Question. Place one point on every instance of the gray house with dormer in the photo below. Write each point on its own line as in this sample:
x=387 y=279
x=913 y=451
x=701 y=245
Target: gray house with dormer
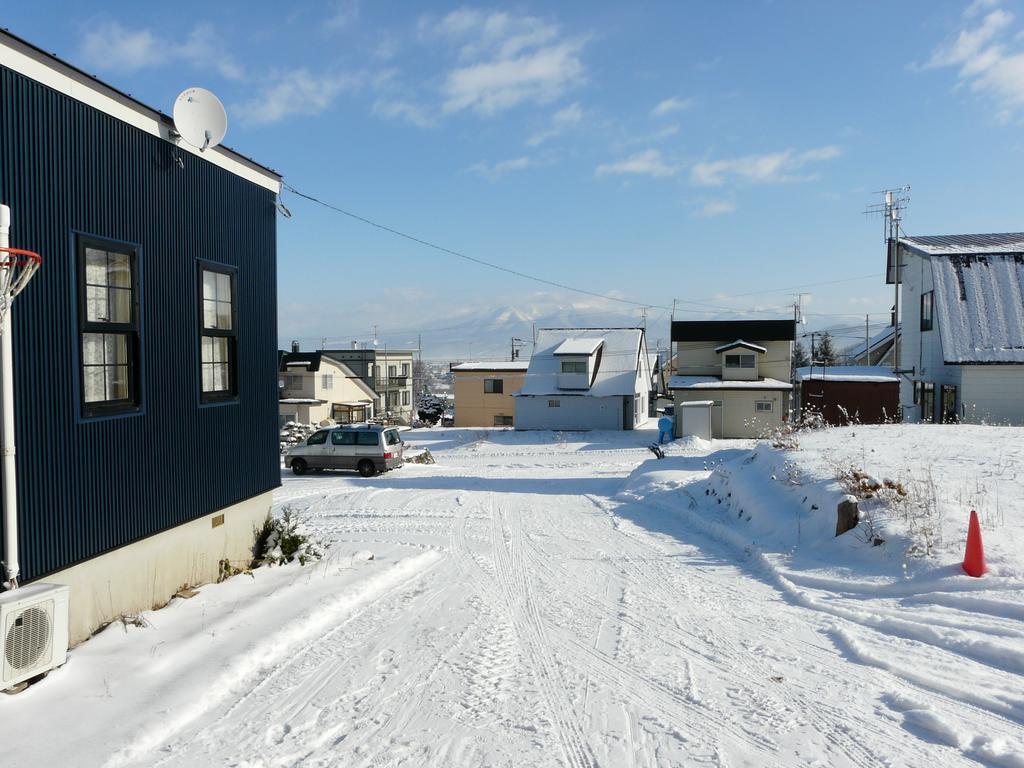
x=961 y=354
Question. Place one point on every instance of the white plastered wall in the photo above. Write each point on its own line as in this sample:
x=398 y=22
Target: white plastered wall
x=146 y=574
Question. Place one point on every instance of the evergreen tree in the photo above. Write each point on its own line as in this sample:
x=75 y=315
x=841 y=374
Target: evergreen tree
x=826 y=351
x=800 y=358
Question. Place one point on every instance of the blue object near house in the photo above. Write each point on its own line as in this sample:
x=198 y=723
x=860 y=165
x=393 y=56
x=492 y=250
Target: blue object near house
x=666 y=428
x=146 y=346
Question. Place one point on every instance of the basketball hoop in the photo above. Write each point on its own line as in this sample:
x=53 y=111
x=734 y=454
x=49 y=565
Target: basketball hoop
x=16 y=268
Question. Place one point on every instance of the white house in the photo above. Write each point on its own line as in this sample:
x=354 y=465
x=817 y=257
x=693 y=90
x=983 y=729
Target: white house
x=586 y=378
x=961 y=350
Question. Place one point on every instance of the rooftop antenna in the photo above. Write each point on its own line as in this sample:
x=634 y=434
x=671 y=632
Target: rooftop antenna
x=894 y=202
x=200 y=118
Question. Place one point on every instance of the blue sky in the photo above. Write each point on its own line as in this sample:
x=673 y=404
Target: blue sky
x=719 y=154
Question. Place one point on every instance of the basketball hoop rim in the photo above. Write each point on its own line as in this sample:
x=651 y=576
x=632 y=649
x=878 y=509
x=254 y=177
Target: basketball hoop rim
x=21 y=257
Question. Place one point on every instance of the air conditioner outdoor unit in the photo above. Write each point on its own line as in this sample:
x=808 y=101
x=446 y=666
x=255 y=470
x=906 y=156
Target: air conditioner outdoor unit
x=34 y=631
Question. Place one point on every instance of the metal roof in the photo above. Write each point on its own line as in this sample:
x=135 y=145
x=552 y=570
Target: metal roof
x=162 y=116
x=999 y=242
x=728 y=330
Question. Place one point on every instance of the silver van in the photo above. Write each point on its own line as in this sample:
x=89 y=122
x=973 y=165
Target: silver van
x=366 y=448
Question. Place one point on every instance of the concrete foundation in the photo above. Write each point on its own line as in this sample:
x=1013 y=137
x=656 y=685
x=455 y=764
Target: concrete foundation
x=146 y=574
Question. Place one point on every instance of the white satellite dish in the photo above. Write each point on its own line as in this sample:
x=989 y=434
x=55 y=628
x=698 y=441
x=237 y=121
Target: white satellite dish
x=199 y=118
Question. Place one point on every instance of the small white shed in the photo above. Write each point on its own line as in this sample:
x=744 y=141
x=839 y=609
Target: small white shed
x=695 y=418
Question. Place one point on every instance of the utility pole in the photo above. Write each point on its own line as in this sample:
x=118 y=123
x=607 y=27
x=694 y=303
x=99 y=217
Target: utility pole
x=516 y=345
x=895 y=200
x=867 y=342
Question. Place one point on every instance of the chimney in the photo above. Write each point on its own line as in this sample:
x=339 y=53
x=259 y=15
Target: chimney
x=295 y=346
x=355 y=344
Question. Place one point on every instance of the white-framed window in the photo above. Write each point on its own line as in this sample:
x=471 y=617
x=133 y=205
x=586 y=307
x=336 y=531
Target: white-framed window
x=405 y=397
x=503 y=421
x=554 y=403
x=369 y=370
x=327 y=381
x=494 y=386
x=392 y=371
x=405 y=369
x=574 y=366
x=739 y=361
x=763 y=406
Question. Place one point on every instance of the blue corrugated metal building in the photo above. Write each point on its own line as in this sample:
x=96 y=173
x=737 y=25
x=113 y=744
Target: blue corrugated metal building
x=144 y=349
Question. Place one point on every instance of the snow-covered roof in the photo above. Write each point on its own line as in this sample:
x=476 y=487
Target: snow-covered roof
x=714 y=382
x=740 y=343
x=879 y=338
x=518 y=365
x=979 y=306
x=584 y=345
x=621 y=361
x=864 y=373
x=999 y=242
x=301 y=401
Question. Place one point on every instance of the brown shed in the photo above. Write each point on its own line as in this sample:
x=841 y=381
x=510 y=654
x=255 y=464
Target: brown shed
x=843 y=394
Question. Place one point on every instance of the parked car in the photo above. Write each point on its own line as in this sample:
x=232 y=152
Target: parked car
x=369 y=449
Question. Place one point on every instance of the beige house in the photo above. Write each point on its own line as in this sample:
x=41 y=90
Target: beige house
x=741 y=366
x=316 y=388
x=483 y=393
x=389 y=372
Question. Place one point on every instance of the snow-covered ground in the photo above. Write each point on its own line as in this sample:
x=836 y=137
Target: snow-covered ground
x=540 y=599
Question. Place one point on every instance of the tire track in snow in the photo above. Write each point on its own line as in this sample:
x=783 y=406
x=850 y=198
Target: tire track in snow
x=820 y=714
x=512 y=582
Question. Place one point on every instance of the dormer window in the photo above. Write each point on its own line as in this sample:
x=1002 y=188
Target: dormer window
x=740 y=361
x=574 y=366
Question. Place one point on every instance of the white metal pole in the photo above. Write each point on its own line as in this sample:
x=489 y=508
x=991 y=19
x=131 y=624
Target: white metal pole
x=7 y=416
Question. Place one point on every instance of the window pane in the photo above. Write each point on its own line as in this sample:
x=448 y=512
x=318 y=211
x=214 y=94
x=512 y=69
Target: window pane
x=92 y=348
x=207 y=377
x=224 y=315
x=209 y=285
x=96 y=304
x=93 y=384
x=119 y=270
x=220 y=377
x=223 y=287
x=95 y=266
x=209 y=313
x=119 y=305
x=117 y=382
x=115 y=347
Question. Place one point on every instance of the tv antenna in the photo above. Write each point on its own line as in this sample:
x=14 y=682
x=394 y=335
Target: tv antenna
x=200 y=118
x=894 y=202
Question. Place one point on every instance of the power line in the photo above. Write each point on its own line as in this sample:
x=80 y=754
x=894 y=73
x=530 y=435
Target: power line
x=467 y=257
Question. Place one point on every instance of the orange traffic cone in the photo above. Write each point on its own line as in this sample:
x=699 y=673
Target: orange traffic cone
x=974 y=558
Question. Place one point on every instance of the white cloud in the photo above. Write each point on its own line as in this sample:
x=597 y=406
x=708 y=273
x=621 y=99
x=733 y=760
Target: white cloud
x=495 y=171
x=770 y=168
x=715 y=208
x=294 y=92
x=646 y=163
x=671 y=105
x=504 y=60
x=404 y=110
x=344 y=14
x=561 y=121
x=111 y=47
x=990 y=60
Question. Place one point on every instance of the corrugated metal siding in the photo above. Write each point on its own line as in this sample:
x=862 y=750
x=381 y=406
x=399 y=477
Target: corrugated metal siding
x=86 y=487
